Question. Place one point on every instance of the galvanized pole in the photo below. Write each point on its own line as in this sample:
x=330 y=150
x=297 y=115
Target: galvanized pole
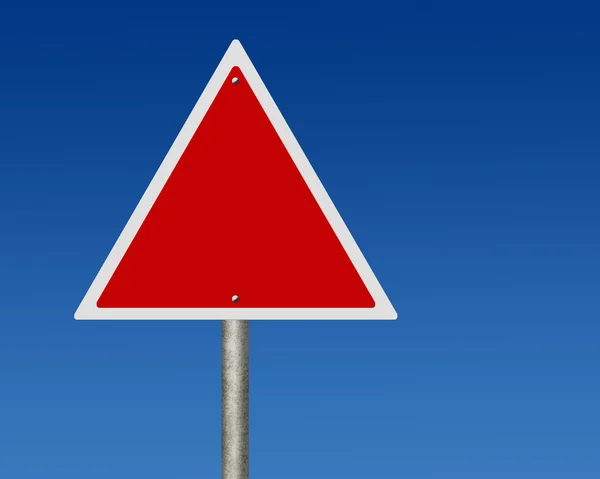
x=234 y=400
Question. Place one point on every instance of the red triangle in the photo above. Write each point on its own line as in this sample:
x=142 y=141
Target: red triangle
x=235 y=217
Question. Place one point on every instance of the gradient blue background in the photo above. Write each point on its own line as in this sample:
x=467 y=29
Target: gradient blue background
x=461 y=144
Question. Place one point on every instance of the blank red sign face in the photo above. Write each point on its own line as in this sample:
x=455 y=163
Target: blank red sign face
x=236 y=218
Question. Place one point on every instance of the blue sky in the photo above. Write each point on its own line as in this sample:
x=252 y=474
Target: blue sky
x=460 y=144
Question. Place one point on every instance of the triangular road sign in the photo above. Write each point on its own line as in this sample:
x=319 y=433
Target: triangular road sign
x=235 y=224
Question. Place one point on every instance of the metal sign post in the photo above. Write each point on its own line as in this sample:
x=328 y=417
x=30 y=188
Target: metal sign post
x=234 y=399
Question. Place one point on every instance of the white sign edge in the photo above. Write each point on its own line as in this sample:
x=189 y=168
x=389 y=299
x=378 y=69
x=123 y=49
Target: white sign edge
x=235 y=56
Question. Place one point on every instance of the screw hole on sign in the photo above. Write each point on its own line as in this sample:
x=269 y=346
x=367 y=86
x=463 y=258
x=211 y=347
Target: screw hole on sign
x=235 y=80
x=235 y=298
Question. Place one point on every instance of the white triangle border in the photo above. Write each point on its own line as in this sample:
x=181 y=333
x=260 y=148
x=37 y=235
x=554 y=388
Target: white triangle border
x=235 y=56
